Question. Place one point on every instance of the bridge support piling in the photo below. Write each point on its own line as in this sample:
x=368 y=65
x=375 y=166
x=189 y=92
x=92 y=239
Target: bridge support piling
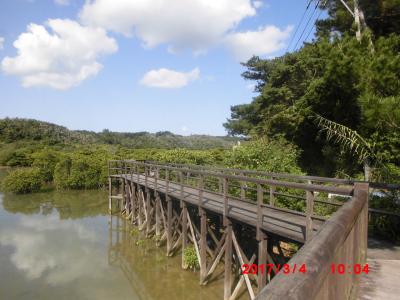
x=169 y=226
x=158 y=218
x=184 y=233
x=109 y=195
x=140 y=206
x=203 y=245
x=148 y=212
x=133 y=202
x=228 y=261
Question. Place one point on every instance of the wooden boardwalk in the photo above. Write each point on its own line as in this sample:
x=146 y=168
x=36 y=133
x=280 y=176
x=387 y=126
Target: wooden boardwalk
x=236 y=217
x=286 y=224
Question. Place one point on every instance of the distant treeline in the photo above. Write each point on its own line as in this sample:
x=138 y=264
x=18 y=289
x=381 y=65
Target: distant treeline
x=12 y=130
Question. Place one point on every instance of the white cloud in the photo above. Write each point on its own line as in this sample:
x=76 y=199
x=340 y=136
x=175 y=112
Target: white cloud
x=1 y=43
x=265 y=41
x=62 y=2
x=194 y=24
x=59 y=58
x=165 y=78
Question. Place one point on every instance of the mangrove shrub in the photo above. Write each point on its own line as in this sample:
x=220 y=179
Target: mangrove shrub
x=23 y=181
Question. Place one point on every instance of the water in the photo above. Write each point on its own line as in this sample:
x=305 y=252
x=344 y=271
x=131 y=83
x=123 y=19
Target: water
x=64 y=245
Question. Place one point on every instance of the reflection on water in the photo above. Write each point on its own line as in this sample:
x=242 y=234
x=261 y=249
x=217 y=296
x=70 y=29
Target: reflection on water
x=64 y=245
x=152 y=274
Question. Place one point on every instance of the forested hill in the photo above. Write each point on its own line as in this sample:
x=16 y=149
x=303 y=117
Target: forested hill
x=336 y=98
x=13 y=130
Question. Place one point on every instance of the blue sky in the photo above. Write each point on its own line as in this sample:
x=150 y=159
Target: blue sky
x=136 y=65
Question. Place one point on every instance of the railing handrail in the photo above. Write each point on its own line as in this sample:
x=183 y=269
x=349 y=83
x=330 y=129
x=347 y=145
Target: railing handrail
x=350 y=181
x=345 y=191
x=319 y=253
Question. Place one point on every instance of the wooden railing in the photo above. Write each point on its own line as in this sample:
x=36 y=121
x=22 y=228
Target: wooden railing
x=305 y=199
x=373 y=212
x=287 y=176
x=341 y=240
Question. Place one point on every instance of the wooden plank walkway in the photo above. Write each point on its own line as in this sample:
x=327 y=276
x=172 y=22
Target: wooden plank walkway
x=382 y=280
x=287 y=224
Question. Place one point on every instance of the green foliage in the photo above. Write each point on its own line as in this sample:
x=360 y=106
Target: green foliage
x=184 y=156
x=45 y=160
x=23 y=181
x=272 y=156
x=385 y=225
x=81 y=171
x=62 y=171
x=190 y=258
x=339 y=79
x=17 y=157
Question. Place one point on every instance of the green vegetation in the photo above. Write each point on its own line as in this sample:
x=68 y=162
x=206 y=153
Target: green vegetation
x=78 y=159
x=336 y=99
x=22 y=181
x=190 y=258
x=275 y=156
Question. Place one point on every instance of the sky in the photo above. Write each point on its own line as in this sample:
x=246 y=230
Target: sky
x=137 y=65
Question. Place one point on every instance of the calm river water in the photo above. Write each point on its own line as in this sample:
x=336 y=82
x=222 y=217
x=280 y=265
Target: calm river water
x=64 y=245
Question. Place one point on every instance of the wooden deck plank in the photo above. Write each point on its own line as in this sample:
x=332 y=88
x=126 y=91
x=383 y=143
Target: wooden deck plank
x=284 y=224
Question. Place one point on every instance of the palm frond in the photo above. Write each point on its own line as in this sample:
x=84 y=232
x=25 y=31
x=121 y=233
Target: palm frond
x=346 y=138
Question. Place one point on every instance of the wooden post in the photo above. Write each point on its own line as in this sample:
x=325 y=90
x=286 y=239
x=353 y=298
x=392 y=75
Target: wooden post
x=271 y=194
x=184 y=233
x=225 y=191
x=260 y=202
x=167 y=182
x=309 y=213
x=123 y=194
x=109 y=195
x=148 y=207
x=262 y=260
x=169 y=226
x=220 y=185
x=242 y=190
x=156 y=179
x=134 y=201
x=145 y=175
x=158 y=217
x=203 y=245
x=228 y=261
x=201 y=186
x=126 y=199
x=131 y=194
